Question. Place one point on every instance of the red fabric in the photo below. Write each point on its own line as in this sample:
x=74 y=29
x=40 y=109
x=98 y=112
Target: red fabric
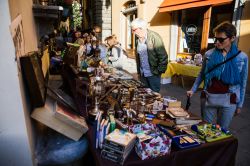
x=218 y=87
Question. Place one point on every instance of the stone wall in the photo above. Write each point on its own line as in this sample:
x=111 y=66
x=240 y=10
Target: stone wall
x=102 y=17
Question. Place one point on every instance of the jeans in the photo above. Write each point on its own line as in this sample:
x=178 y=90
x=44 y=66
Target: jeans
x=152 y=82
x=219 y=115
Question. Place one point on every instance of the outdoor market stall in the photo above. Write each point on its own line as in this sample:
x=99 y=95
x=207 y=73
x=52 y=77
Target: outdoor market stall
x=129 y=124
x=208 y=149
x=181 y=70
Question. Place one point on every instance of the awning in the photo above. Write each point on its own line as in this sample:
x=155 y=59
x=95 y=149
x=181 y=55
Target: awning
x=172 y=5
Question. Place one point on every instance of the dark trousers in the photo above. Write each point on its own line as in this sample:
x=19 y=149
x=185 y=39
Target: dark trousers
x=152 y=82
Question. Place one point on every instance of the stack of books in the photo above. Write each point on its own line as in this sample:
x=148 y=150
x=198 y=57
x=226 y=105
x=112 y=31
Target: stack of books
x=117 y=145
x=181 y=116
x=177 y=112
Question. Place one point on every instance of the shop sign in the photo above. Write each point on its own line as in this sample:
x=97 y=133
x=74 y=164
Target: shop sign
x=191 y=29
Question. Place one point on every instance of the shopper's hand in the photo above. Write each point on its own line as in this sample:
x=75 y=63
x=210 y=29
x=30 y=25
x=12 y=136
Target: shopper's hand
x=237 y=112
x=190 y=93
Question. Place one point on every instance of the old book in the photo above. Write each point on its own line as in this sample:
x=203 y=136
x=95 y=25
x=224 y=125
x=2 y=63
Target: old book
x=175 y=104
x=113 y=156
x=34 y=78
x=188 y=121
x=166 y=123
x=120 y=139
x=114 y=149
x=64 y=114
x=114 y=146
x=46 y=116
x=177 y=112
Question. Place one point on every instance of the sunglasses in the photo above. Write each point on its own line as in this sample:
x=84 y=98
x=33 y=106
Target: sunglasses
x=133 y=30
x=220 y=39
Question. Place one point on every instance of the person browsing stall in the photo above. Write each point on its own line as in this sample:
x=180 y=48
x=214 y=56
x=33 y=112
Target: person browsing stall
x=88 y=45
x=224 y=71
x=117 y=56
x=151 y=56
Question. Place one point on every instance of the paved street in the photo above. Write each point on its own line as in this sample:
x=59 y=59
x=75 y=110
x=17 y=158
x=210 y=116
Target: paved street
x=240 y=126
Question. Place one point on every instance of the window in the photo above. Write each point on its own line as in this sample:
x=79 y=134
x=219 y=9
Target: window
x=130 y=13
x=191 y=28
x=191 y=21
x=219 y=14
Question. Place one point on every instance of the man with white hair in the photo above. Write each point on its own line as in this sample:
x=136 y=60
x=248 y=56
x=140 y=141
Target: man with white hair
x=151 y=56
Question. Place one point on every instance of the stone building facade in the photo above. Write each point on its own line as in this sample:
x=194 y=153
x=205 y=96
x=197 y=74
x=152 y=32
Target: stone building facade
x=102 y=16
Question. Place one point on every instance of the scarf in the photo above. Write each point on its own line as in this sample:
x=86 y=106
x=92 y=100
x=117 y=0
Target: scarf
x=228 y=72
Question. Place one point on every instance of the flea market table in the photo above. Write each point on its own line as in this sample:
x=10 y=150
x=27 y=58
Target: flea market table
x=181 y=70
x=219 y=153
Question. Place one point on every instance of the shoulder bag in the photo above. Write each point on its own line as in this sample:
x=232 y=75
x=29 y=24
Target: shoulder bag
x=219 y=99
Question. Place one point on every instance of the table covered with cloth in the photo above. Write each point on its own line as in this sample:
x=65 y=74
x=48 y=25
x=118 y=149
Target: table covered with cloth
x=219 y=153
x=181 y=69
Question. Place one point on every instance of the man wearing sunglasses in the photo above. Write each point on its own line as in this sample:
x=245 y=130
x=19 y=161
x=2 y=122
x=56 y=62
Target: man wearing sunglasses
x=224 y=71
x=151 y=56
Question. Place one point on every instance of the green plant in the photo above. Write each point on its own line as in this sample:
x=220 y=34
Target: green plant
x=77 y=14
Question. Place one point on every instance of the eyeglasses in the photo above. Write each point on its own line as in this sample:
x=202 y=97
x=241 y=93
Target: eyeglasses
x=220 y=39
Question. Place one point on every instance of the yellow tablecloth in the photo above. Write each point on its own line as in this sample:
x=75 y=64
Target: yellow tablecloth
x=181 y=69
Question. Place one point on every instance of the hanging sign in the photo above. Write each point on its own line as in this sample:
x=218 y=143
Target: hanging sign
x=191 y=29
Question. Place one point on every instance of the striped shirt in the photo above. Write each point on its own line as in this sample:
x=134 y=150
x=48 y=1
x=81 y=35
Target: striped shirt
x=143 y=54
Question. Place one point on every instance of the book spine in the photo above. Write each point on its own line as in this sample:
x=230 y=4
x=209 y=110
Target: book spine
x=112 y=149
x=118 y=158
x=98 y=121
x=179 y=122
x=114 y=146
x=101 y=133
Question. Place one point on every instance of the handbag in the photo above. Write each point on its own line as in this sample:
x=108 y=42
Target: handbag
x=219 y=99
